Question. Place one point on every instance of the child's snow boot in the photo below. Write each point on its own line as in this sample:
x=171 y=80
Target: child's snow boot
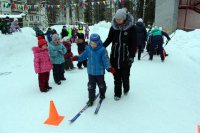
x=90 y=103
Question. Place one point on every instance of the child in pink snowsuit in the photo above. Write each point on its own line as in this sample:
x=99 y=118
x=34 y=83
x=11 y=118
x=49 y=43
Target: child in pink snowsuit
x=42 y=64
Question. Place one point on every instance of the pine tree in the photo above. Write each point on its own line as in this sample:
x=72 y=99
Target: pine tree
x=88 y=12
x=77 y=10
x=44 y=18
x=102 y=9
x=150 y=12
x=52 y=13
x=109 y=10
x=98 y=12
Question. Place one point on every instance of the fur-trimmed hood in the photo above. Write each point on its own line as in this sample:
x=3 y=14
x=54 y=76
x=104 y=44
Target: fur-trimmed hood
x=129 y=22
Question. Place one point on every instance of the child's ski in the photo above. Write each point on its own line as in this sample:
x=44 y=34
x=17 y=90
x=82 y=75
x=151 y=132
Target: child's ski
x=98 y=107
x=80 y=112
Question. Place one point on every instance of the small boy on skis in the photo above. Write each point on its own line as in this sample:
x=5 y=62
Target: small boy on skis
x=97 y=62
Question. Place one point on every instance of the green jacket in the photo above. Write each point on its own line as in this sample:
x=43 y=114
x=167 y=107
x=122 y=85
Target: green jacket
x=2 y=23
x=156 y=32
x=69 y=33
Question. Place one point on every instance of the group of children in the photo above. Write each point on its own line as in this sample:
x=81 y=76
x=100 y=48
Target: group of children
x=48 y=56
x=8 y=27
x=57 y=55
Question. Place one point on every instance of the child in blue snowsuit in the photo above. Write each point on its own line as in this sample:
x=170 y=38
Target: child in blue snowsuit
x=97 y=62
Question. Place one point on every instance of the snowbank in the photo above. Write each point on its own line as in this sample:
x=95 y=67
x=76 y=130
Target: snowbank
x=16 y=44
x=101 y=28
x=12 y=16
x=186 y=44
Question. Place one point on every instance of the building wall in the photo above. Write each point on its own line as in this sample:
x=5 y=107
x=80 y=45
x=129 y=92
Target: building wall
x=18 y=11
x=192 y=20
x=166 y=14
x=188 y=19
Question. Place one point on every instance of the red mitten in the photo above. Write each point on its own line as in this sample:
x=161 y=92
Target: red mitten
x=111 y=70
x=74 y=58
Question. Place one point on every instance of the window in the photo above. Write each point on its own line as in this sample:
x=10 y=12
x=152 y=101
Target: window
x=38 y=18
x=31 y=18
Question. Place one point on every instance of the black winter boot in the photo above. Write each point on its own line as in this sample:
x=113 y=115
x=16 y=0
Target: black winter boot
x=90 y=103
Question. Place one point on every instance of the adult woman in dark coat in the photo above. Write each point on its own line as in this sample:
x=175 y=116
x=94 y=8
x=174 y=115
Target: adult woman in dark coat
x=122 y=35
x=141 y=37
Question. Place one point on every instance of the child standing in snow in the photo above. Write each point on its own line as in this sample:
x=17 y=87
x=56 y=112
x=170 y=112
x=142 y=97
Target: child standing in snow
x=49 y=34
x=98 y=61
x=15 y=26
x=57 y=51
x=42 y=64
x=68 y=63
x=87 y=30
x=81 y=48
x=74 y=36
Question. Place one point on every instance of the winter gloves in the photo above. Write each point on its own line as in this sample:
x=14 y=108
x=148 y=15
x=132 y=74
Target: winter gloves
x=74 y=58
x=111 y=70
x=131 y=60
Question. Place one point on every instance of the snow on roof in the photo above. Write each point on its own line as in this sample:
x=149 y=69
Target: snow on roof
x=11 y=16
x=79 y=22
x=23 y=14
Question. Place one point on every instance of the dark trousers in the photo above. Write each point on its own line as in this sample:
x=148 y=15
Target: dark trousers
x=68 y=64
x=121 y=77
x=43 y=79
x=87 y=35
x=84 y=63
x=58 y=72
x=99 y=80
x=140 y=50
x=159 y=48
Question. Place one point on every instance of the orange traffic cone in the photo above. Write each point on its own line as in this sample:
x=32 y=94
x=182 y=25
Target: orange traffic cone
x=54 y=118
x=198 y=129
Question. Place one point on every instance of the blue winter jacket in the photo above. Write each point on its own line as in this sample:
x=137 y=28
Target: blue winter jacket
x=49 y=34
x=56 y=53
x=98 y=60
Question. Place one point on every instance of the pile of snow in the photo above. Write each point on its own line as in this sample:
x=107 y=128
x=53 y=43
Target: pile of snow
x=187 y=44
x=12 y=16
x=16 y=48
x=164 y=97
x=101 y=28
x=58 y=28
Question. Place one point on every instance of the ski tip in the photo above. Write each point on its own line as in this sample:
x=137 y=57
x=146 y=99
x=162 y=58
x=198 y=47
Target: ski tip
x=70 y=121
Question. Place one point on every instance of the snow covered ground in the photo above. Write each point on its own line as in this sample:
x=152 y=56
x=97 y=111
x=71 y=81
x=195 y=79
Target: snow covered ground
x=164 y=97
